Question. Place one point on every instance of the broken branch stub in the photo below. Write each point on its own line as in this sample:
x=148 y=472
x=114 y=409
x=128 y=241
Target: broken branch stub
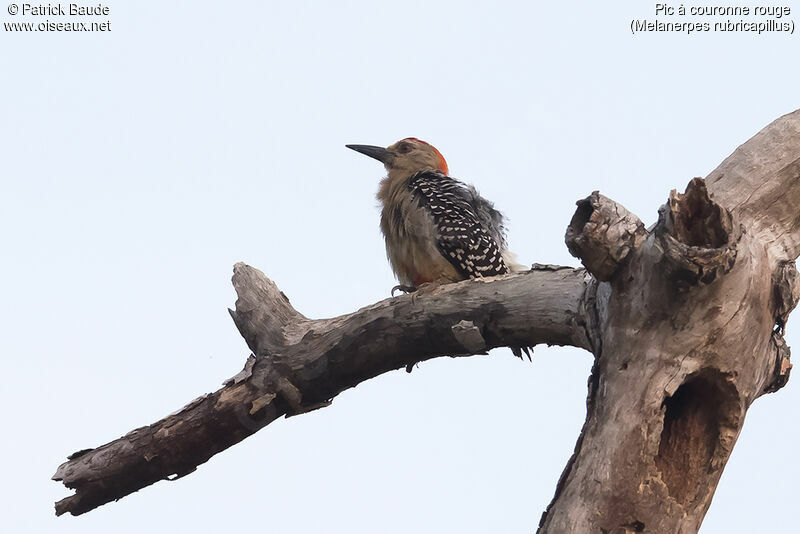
x=263 y=314
x=697 y=236
x=602 y=235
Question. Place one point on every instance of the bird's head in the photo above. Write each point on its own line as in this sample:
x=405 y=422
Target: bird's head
x=408 y=155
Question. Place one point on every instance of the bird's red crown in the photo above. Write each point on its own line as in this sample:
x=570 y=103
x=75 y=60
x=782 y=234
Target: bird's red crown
x=442 y=162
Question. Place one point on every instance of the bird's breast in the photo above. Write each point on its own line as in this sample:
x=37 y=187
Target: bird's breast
x=410 y=234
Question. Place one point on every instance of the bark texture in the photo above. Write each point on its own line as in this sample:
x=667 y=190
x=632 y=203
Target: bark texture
x=685 y=320
x=300 y=364
x=691 y=328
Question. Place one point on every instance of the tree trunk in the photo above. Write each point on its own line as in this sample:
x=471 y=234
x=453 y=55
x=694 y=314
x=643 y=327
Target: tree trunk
x=685 y=321
x=691 y=324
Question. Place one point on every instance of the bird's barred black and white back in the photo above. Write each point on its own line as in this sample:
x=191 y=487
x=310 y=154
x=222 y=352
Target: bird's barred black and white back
x=470 y=230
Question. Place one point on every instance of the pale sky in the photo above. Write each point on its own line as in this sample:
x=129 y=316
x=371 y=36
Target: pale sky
x=139 y=164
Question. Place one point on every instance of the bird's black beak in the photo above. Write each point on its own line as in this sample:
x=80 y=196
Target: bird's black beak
x=383 y=155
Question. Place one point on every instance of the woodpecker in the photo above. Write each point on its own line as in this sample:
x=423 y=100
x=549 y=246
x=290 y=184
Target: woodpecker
x=437 y=229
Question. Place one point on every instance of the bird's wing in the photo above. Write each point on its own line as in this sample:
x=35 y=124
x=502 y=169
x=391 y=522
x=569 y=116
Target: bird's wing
x=492 y=219
x=462 y=237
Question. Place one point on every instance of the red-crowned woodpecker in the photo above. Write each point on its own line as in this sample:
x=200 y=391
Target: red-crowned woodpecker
x=437 y=229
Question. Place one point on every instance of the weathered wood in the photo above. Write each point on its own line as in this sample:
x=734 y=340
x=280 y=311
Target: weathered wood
x=691 y=329
x=301 y=364
x=759 y=182
x=602 y=234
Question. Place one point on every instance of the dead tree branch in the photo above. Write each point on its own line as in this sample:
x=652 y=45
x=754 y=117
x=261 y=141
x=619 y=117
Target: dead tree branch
x=301 y=364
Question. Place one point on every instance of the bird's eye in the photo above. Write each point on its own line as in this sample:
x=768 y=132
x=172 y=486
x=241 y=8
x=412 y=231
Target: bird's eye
x=404 y=148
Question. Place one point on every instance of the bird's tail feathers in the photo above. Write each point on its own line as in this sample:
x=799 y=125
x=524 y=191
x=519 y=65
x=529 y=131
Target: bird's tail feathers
x=511 y=262
x=517 y=351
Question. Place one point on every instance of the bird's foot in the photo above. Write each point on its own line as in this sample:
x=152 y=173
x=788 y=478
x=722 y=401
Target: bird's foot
x=417 y=291
x=427 y=288
x=404 y=289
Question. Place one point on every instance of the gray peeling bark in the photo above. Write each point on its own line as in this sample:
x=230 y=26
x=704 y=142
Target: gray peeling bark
x=685 y=321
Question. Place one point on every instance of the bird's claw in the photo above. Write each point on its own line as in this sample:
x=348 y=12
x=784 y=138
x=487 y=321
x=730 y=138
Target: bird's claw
x=404 y=289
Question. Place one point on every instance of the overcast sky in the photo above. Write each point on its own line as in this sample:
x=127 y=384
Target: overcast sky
x=139 y=164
